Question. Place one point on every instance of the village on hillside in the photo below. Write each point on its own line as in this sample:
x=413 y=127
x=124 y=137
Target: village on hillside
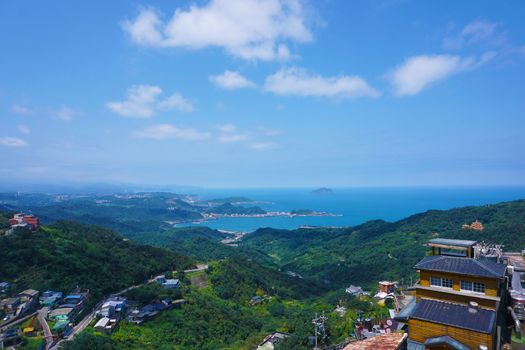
x=469 y=295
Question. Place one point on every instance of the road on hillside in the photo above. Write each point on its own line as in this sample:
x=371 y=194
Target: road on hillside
x=91 y=316
x=11 y=323
x=42 y=314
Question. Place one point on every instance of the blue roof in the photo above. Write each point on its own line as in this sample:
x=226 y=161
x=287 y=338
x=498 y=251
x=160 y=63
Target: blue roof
x=446 y=340
x=74 y=296
x=462 y=266
x=453 y=242
x=405 y=313
x=455 y=315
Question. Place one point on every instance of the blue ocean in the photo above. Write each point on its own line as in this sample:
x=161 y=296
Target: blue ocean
x=354 y=205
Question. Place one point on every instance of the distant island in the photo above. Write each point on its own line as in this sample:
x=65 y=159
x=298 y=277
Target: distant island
x=323 y=190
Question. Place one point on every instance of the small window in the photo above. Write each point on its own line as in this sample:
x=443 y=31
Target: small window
x=447 y=283
x=479 y=287
x=440 y=282
x=475 y=287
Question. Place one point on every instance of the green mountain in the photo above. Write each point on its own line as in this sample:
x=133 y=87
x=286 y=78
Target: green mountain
x=378 y=250
x=66 y=254
x=229 y=209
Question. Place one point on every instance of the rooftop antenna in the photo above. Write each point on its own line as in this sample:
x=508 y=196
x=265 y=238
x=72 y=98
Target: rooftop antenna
x=319 y=328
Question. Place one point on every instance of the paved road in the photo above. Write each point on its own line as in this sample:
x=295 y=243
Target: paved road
x=42 y=314
x=90 y=317
x=200 y=267
x=10 y=323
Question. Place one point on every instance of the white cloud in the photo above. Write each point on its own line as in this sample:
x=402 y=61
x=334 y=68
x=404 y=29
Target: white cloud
x=18 y=109
x=12 y=142
x=232 y=138
x=143 y=102
x=168 y=131
x=24 y=129
x=263 y=146
x=227 y=127
x=64 y=113
x=475 y=32
x=296 y=81
x=176 y=101
x=419 y=72
x=270 y=132
x=249 y=29
x=231 y=80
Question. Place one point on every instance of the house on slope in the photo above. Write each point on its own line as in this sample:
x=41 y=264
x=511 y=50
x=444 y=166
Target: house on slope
x=460 y=301
x=271 y=340
x=167 y=282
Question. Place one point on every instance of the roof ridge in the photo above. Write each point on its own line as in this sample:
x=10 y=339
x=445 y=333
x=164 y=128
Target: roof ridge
x=482 y=265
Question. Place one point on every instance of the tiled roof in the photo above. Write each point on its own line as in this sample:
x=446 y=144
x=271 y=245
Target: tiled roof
x=462 y=266
x=390 y=341
x=455 y=315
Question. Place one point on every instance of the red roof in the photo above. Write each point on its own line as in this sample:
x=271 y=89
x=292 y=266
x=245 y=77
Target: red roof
x=391 y=341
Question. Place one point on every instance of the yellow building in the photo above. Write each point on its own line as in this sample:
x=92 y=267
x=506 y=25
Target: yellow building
x=460 y=301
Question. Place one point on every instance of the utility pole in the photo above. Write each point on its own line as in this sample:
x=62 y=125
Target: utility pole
x=319 y=327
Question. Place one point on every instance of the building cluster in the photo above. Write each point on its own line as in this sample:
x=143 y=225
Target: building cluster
x=64 y=310
x=474 y=226
x=111 y=312
x=468 y=297
x=21 y=220
x=20 y=305
x=139 y=315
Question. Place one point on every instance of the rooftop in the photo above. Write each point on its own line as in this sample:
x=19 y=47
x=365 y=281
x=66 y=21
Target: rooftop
x=462 y=266
x=455 y=315
x=390 y=341
x=452 y=242
x=30 y=292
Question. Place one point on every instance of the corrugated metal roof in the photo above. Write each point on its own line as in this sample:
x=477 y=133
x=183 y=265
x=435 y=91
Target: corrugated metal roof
x=455 y=315
x=453 y=242
x=462 y=266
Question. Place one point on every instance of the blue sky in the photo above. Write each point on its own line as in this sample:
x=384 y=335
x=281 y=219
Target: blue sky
x=263 y=93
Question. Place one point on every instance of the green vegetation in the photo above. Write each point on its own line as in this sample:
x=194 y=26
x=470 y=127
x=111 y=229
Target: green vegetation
x=217 y=317
x=229 y=209
x=379 y=250
x=67 y=254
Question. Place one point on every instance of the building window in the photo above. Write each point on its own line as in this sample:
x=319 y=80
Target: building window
x=475 y=287
x=440 y=282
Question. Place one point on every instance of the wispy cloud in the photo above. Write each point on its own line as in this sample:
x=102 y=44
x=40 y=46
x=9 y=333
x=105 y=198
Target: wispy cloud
x=419 y=72
x=232 y=138
x=249 y=29
x=64 y=113
x=227 y=127
x=24 y=129
x=143 y=102
x=229 y=134
x=298 y=82
x=13 y=142
x=263 y=146
x=231 y=80
x=474 y=33
x=19 y=109
x=168 y=131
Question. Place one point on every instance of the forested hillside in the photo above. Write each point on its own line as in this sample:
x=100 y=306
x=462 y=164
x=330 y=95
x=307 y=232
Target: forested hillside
x=66 y=254
x=379 y=250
